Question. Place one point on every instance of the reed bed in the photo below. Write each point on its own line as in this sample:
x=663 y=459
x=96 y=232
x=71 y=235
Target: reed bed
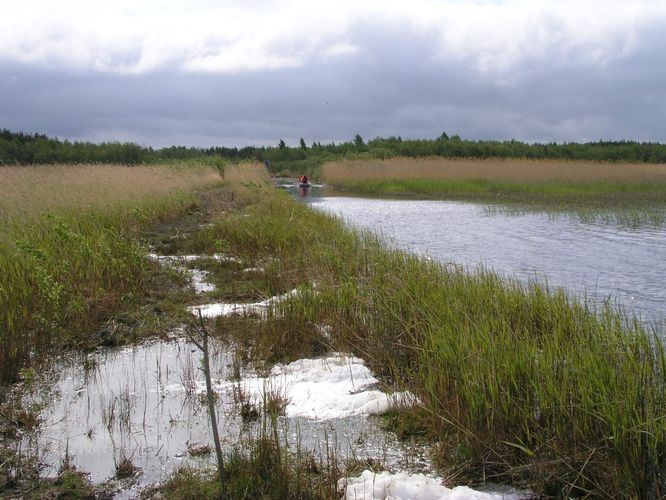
x=498 y=177
x=30 y=191
x=517 y=382
x=496 y=168
x=69 y=252
x=247 y=174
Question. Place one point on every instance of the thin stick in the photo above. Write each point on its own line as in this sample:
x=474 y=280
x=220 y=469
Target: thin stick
x=211 y=402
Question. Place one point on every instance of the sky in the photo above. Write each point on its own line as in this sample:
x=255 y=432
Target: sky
x=234 y=73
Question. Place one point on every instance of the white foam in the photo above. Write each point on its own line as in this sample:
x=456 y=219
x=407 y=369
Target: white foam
x=402 y=486
x=197 y=276
x=337 y=386
x=198 y=280
x=189 y=258
x=254 y=270
x=228 y=308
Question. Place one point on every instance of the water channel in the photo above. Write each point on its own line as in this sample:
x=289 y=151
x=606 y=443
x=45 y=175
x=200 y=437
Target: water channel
x=597 y=260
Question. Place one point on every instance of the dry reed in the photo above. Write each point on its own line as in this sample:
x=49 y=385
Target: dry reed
x=247 y=173
x=495 y=169
x=31 y=190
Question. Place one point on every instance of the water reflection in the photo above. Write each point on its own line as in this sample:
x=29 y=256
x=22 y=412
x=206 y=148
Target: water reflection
x=147 y=403
x=306 y=193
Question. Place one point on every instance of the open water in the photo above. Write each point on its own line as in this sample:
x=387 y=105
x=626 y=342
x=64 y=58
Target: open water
x=598 y=261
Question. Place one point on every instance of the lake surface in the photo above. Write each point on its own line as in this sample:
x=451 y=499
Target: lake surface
x=601 y=261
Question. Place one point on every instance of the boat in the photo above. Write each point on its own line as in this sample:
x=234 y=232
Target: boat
x=303 y=181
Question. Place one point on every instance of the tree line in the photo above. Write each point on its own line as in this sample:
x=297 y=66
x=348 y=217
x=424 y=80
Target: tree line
x=19 y=148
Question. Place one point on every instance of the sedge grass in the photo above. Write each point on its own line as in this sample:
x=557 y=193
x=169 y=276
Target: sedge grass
x=517 y=382
x=264 y=467
x=69 y=253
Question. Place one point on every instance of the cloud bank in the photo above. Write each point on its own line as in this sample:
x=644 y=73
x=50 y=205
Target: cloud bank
x=236 y=73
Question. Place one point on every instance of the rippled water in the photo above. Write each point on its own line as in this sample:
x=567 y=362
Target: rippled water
x=601 y=261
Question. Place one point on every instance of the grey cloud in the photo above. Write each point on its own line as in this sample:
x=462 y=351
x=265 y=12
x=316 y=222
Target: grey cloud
x=397 y=84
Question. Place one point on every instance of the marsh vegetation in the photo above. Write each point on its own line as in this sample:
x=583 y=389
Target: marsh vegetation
x=69 y=250
x=509 y=375
x=514 y=382
x=510 y=180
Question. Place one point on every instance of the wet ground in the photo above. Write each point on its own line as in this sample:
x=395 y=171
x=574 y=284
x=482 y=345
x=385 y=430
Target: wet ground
x=146 y=404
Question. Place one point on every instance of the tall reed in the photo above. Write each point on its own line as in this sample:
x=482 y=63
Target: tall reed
x=500 y=178
x=495 y=168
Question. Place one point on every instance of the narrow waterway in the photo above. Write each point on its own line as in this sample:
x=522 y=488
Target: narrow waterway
x=599 y=261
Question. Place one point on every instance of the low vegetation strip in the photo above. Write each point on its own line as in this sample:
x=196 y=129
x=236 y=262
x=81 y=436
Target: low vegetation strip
x=69 y=252
x=517 y=383
x=495 y=168
x=549 y=179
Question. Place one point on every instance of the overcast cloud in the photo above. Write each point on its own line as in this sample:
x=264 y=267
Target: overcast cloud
x=252 y=72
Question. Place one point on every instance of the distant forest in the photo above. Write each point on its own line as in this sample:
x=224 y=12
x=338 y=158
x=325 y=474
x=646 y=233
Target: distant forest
x=18 y=148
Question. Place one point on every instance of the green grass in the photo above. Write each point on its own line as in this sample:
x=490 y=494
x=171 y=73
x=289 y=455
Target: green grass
x=68 y=266
x=63 y=271
x=262 y=468
x=518 y=382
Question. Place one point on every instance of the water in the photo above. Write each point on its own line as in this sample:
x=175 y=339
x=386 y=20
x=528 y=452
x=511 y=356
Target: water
x=147 y=404
x=597 y=261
